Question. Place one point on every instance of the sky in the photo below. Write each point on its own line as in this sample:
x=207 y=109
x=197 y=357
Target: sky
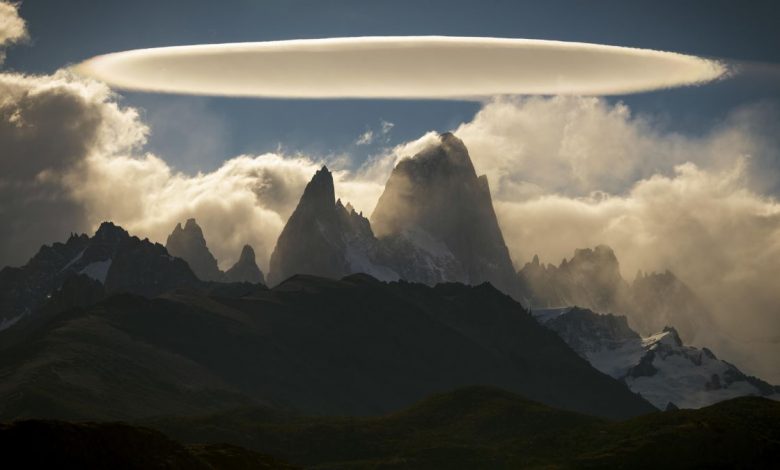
x=196 y=133
x=686 y=179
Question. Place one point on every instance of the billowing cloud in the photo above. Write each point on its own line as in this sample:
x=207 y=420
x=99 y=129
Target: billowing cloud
x=48 y=127
x=12 y=27
x=71 y=159
x=399 y=67
x=578 y=172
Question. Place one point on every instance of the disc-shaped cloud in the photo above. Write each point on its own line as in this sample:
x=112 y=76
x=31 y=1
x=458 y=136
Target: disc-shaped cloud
x=399 y=67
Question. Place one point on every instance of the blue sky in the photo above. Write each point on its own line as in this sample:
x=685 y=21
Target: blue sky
x=197 y=133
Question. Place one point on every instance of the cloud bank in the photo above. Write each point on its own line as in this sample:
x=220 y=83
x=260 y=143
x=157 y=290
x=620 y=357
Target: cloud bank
x=399 y=67
x=72 y=157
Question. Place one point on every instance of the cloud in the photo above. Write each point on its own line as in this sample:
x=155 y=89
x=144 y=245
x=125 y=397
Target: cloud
x=574 y=146
x=48 y=127
x=72 y=158
x=365 y=138
x=381 y=135
x=12 y=27
x=399 y=67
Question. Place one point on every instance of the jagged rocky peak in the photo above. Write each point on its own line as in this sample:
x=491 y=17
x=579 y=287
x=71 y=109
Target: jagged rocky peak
x=324 y=238
x=320 y=192
x=111 y=257
x=438 y=194
x=109 y=232
x=189 y=244
x=601 y=258
x=245 y=269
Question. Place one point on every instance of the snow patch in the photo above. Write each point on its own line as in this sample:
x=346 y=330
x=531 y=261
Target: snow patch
x=97 y=270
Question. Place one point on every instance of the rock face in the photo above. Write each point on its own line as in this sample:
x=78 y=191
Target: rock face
x=437 y=196
x=660 y=367
x=245 y=269
x=112 y=257
x=592 y=279
x=325 y=238
x=435 y=223
x=189 y=244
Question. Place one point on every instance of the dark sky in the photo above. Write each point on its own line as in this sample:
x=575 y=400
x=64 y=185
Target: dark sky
x=196 y=133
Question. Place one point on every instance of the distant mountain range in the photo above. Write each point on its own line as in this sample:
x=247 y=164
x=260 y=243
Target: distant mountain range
x=659 y=367
x=592 y=279
x=363 y=317
x=189 y=244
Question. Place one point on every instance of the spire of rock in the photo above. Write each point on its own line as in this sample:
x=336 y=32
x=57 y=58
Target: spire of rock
x=438 y=192
x=319 y=193
x=189 y=244
x=245 y=269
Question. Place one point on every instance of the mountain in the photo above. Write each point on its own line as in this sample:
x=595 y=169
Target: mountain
x=437 y=195
x=189 y=244
x=325 y=238
x=592 y=279
x=112 y=257
x=435 y=223
x=660 y=367
x=354 y=346
x=483 y=427
x=245 y=269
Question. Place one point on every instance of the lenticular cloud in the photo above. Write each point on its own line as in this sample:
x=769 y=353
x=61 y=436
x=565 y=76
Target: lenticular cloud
x=399 y=67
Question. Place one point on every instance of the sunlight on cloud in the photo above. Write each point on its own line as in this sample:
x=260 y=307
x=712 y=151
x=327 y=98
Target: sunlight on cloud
x=399 y=67
x=12 y=27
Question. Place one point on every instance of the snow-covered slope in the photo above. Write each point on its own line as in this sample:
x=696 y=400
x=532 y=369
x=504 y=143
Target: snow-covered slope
x=660 y=367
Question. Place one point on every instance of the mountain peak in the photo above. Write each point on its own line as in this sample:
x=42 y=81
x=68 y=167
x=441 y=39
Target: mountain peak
x=319 y=192
x=109 y=231
x=438 y=192
x=191 y=224
x=245 y=269
x=189 y=244
x=247 y=254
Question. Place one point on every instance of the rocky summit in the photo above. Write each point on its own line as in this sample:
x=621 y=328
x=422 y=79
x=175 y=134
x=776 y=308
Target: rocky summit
x=189 y=244
x=325 y=238
x=437 y=196
x=434 y=223
x=245 y=269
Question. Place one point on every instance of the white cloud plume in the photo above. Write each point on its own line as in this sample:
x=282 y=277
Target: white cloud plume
x=12 y=27
x=399 y=67
x=365 y=138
